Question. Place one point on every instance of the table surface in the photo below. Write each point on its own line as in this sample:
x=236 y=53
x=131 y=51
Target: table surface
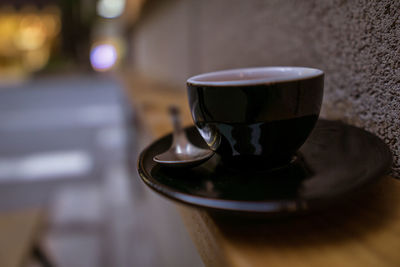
x=365 y=232
x=18 y=233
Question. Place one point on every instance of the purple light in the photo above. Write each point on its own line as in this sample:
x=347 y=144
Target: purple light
x=103 y=57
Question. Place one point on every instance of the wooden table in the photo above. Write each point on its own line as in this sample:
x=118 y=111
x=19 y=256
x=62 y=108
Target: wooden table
x=365 y=232
x=19 y=232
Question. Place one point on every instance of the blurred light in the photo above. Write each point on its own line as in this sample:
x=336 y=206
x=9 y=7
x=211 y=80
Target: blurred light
x=36 y=59
x=103 y=57
x=46 y=165
x=27 y=36
x=8 y=27
x=110 y=8
x=52 y=24
x=32 y=33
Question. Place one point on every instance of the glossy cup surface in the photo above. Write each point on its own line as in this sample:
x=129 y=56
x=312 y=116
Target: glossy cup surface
x=256 y=117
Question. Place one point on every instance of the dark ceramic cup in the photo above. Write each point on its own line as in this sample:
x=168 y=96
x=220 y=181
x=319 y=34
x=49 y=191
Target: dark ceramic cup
x=256 y=117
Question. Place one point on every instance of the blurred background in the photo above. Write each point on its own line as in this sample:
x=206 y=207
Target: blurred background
x=47 y=37
x=69 y=140
x=76 y=77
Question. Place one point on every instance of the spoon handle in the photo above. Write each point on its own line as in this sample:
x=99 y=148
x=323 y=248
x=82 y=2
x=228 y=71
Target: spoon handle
x=176 y=123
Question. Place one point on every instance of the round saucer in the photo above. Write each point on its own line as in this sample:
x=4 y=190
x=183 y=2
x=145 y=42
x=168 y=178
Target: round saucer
x=336 y=161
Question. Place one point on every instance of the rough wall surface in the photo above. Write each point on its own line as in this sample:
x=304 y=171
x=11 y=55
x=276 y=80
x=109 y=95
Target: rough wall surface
x=357 y=44
x=160 y=42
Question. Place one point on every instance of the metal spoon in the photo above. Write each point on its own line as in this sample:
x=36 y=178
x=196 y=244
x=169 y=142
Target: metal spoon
x=182 y=153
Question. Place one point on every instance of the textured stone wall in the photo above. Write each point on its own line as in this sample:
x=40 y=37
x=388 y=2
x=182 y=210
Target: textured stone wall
x=357 y=44
x=161 y=44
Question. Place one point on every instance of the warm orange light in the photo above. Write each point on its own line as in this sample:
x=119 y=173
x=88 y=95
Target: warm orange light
x=26 y=38
x=52 y=24
x=8 y=28
x=36 y=59
x=32 y=33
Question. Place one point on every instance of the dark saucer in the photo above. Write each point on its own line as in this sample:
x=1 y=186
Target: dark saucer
x=336 y=161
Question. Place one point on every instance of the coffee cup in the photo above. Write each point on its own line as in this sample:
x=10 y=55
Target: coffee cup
x=256 y=117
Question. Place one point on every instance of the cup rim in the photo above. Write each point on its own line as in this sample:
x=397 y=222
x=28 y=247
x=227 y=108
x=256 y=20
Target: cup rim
x=299 y=73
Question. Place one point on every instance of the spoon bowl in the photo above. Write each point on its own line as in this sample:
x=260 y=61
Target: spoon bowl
x=182 y=153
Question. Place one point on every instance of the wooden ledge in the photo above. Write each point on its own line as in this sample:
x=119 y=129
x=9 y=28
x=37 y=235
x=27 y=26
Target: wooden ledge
x=365 y=232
